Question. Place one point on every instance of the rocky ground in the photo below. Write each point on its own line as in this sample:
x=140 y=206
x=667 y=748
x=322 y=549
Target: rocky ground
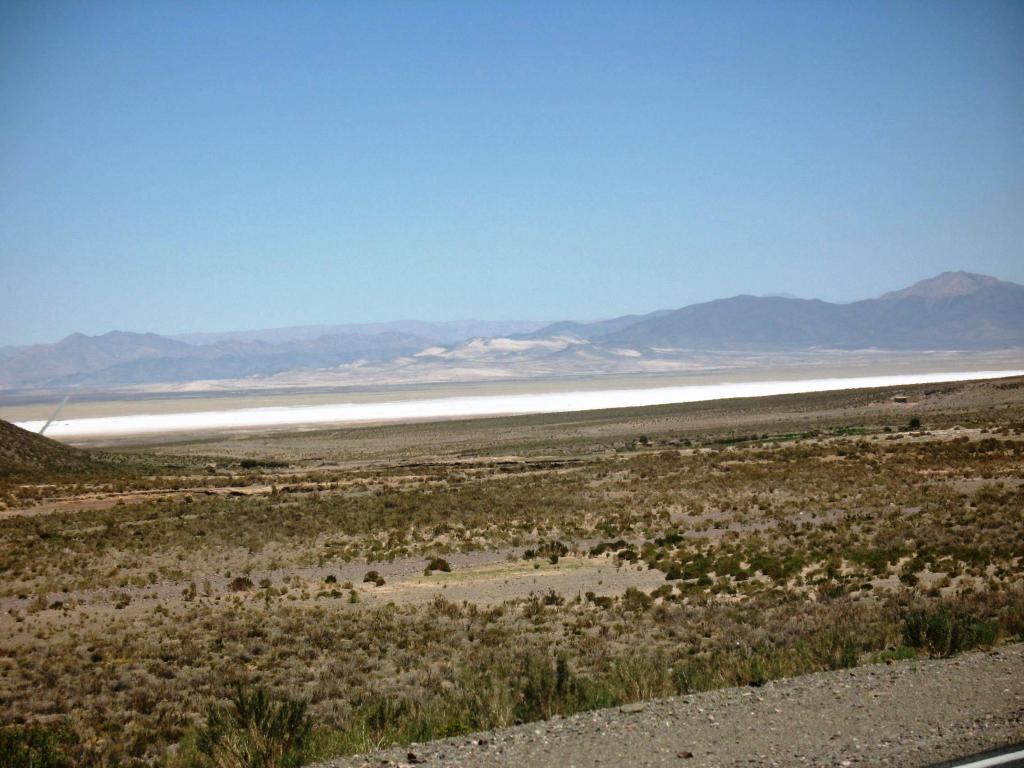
x=913 y=713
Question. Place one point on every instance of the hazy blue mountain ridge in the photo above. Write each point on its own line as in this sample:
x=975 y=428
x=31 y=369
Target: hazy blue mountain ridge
x=952 y=311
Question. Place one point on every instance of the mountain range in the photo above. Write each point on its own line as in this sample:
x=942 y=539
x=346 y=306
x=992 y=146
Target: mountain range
x=955 y=310
x=952 y=311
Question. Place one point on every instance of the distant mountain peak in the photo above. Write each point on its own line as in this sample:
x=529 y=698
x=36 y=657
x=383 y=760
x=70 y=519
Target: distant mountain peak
x=944 y=286
x=954 y=310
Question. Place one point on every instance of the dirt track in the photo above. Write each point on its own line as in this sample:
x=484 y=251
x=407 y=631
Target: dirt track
x=906 y=714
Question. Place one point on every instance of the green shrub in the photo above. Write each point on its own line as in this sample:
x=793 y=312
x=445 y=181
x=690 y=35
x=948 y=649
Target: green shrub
x=945 y=630
x=254 y=732
x=835 y=648
x=899 y=653
x=35 y=746
x=438 y=564
x=635 y=600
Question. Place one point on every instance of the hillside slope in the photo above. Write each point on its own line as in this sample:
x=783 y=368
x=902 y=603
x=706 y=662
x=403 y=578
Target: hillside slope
x=23 y=452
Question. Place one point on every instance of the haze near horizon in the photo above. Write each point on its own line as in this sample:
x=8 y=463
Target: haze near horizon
x=181 y=169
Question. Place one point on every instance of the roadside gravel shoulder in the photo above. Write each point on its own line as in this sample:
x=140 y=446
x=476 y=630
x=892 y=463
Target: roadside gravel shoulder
x=912 y=713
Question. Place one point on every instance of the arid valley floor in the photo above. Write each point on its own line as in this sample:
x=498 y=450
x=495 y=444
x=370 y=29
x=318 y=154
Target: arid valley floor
x=423 y=581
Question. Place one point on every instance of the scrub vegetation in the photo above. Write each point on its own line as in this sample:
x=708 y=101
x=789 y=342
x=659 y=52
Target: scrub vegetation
x=277 y=599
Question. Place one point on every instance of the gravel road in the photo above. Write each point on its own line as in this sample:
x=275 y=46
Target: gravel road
x=913 y=713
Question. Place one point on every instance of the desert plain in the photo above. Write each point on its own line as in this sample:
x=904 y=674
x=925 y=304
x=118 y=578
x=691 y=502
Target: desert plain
x=410 y=582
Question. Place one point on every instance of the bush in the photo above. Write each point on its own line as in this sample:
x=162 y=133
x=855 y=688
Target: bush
x=255 y=732
x=240 y=584
x=438 y=564
x=552 y=550
x=635 y=600
x=553 y=598
x=546 y=688
x=664 y=592
x=35 y=746
x=835 y=648
x=945 y=630
x=261 y=464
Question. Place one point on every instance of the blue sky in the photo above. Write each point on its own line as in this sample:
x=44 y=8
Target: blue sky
x=211 y=166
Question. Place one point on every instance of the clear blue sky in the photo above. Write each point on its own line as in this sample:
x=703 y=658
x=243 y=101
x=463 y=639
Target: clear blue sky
x=211 y=166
